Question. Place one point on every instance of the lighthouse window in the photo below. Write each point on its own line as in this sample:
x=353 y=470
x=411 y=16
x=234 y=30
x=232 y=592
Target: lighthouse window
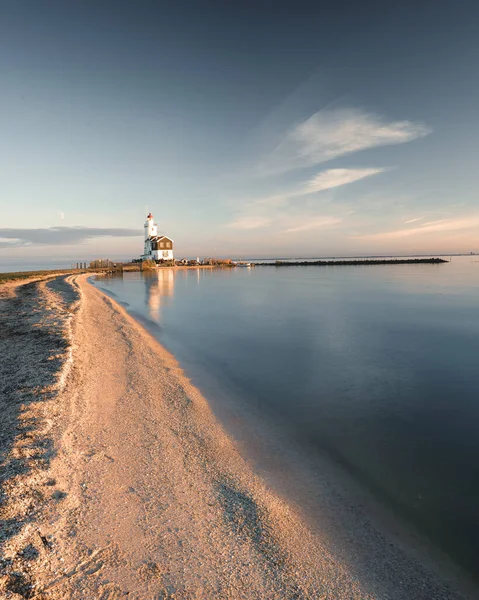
x=162 y=244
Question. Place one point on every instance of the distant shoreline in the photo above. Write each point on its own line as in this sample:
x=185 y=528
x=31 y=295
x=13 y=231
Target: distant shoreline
x=18 y=275
x=41 y=274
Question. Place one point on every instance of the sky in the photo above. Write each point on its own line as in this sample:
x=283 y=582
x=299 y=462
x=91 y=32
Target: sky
x=248 y=129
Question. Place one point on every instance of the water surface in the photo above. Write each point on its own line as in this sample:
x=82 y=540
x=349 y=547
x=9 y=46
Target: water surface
x=375 y=365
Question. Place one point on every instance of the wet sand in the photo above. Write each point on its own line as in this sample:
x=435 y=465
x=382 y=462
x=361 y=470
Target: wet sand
x=119 y=481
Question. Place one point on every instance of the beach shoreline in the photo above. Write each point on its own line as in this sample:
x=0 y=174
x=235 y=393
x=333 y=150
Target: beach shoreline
x=153 y=497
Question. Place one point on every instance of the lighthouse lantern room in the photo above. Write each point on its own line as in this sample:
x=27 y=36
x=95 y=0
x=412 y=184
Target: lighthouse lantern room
x=157 y=247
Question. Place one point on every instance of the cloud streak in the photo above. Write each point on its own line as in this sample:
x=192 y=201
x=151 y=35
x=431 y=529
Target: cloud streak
x=413 y=220
x=58 y=236
x=330 y=134
x=333 y=178
x=442 y=226
x=262 y=212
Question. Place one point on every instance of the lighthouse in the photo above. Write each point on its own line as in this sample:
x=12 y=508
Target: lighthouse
x=151 y=228
x=157 y=247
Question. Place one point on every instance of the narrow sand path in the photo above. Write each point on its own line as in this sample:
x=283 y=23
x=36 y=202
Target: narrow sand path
x=158 y=503
x=153 y=499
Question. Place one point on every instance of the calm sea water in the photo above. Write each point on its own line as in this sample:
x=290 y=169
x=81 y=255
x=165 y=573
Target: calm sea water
x=378 y=366
x=11 y=264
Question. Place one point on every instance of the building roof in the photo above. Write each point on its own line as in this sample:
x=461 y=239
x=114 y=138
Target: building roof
x=157 y=238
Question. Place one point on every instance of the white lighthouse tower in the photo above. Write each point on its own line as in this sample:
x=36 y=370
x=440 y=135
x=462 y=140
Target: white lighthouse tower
x=151 y=229
x=157 y=247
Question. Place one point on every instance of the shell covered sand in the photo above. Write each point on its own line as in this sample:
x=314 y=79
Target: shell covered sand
x=128 y=486
x=35 y=351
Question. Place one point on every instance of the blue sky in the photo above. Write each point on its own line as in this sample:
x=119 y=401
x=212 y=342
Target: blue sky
x=299 y=129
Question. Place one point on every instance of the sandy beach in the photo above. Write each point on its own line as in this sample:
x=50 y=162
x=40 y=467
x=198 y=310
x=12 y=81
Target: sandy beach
x=118 y=480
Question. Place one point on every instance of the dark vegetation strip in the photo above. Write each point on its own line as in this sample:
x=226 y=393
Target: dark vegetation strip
x=359 y=262
x=4 y=277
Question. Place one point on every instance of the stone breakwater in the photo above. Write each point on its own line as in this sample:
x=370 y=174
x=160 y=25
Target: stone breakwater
x=353 y=262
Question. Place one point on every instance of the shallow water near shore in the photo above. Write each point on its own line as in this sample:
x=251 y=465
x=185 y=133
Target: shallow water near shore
x=375 y=366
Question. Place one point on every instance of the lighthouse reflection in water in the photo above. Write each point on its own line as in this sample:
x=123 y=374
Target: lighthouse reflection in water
x=159 y=289
x=153 y=306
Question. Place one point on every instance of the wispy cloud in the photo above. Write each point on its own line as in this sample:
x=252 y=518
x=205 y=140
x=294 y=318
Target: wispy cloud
x=443 y=226
x=312 y=224
x=261 y=211
x=9 y=242
x=58 y=235
x=413 y=220
x=329 y=134
x=332 y=178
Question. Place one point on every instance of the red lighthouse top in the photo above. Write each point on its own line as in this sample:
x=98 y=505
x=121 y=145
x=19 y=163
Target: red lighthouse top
x=150 y=216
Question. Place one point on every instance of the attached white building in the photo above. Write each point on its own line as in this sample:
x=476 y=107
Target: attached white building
x=157 y=247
